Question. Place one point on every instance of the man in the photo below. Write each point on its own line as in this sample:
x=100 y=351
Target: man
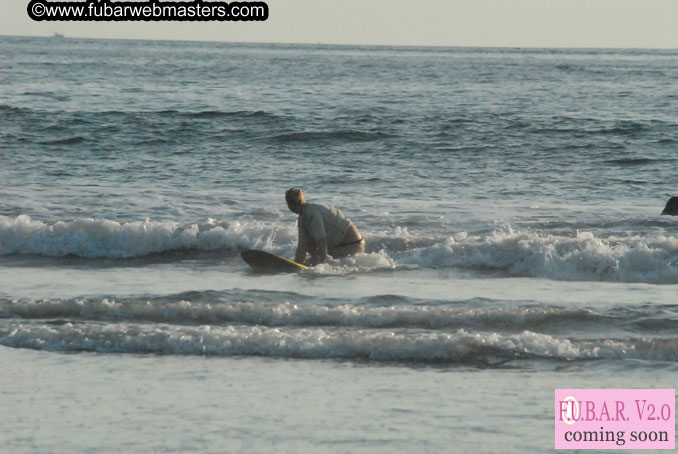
x=671 y=207
x=324 y=231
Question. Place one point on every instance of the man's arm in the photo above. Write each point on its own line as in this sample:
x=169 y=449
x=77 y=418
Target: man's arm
x=300 y=255
x=321 y=251
x=302 y=242
x=316 y=236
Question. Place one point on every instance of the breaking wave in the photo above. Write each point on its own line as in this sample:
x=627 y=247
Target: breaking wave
x=377 y=329
x=583 y=256
x=208 y=309
x=459 y=347
x=98 y=238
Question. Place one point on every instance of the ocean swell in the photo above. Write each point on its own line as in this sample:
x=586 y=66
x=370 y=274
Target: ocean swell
x=290 y=314
x=460 y=347
x=583 y=257
x=95 y=238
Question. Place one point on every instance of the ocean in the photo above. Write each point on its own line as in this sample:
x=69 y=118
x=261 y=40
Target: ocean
x=510 y=200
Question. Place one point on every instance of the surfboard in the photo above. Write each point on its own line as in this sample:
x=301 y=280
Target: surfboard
x=265 y=261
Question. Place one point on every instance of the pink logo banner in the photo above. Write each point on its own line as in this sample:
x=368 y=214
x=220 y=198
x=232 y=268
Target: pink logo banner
x=615 y=418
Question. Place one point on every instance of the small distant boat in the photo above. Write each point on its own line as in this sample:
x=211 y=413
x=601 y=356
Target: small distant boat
x=57 y=35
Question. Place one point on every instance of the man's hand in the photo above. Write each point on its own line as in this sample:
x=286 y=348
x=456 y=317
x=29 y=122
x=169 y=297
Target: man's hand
x=319 y=253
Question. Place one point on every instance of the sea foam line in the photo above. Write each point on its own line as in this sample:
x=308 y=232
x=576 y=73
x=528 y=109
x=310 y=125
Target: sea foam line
x=298 y=315
x=94 y=238
x=583 y=257
x=319 y=343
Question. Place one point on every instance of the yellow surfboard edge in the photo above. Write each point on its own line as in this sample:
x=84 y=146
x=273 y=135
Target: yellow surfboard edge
x=267 y=261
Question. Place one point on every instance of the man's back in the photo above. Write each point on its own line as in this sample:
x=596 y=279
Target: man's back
x=319 y=221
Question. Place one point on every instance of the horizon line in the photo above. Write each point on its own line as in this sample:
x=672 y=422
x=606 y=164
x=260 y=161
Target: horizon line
x=58 y=35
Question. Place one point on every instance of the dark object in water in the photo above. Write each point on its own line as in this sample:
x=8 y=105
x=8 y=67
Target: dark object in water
x=265 y=261
x=671 y=207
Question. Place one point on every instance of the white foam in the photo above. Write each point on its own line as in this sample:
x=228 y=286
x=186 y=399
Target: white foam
x=105 y=238
x=581 y=257
x=584 y=256
x=424 y=333
x=359 y=263
x=290 y=314
x=320 y=343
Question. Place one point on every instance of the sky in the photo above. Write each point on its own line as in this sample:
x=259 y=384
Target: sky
x=482 y=23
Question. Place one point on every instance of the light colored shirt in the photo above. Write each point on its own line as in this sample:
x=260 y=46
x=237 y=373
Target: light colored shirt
x=321 y=221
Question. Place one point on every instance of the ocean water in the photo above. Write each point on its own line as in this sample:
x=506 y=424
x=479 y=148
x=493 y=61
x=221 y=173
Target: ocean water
x=509 y=198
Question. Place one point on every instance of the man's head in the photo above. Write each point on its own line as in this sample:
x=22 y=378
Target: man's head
x=671 y=207
x=295 y=199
